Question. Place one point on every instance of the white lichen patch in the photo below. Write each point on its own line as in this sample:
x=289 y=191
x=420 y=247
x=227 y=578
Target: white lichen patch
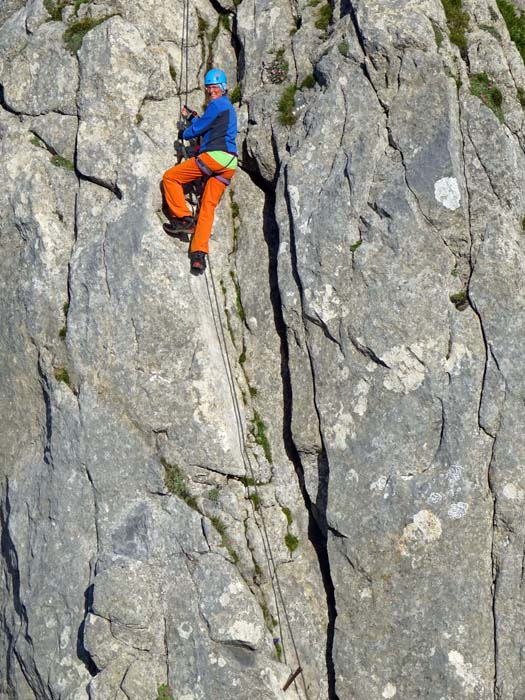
x=324 y=302
x=512 y=492
x=458 y=353
x=470 y=680
x=246 y=632
x=407 y=372
x=366 y=593
x=425 y=529
x=185 y=630
x=389 y=691
x=379 y=485
x=435 y=498
x=446 y=192
x=457 y=510
x=361 y=397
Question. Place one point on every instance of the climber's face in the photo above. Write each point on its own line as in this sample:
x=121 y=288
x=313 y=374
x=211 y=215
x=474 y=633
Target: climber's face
x=213 y=91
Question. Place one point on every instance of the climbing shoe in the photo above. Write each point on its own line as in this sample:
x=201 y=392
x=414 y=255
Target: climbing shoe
x=184 y=225
x=198 y=262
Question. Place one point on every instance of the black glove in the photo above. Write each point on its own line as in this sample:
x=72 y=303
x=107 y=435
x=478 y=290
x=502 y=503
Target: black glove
x=181 y=124
x=179 y=134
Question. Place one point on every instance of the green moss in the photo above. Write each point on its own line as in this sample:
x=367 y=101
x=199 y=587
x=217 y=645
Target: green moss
x=438 y=35
x=37 y=142
x=523 y=223
x=287 y=106
x=521 y=96
x=355 y=245
x=259 y=433
x=221 y=528
x=515 y=24
x=287 y=514
x=235 y=95
x=173 y=73
x=490 y=30
x=313 y=3
x=75 y=33
x=253 y=391
x=234 y=208
x=278 y=649
x=242 y=358
x=62 y=375
x=248 y=481
x=460 y=300
x=238 y=300
x=457 y=22
x=225 y=22
x=484 y=87
x=291 y=542
x=344 y=48
x=309 y=82
x=175 y=481
x=62 y=162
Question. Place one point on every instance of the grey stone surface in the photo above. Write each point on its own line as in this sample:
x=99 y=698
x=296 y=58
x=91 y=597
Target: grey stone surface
x=311 y=456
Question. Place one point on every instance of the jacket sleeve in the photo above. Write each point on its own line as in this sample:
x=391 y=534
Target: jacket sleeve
x=201 y=124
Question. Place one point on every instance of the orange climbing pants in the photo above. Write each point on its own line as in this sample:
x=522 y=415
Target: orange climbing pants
x=185 y=172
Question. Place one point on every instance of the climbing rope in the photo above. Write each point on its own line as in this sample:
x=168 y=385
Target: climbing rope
x=219 y=328
x=272 y=567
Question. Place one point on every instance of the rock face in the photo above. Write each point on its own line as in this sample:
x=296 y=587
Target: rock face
x=313 y=455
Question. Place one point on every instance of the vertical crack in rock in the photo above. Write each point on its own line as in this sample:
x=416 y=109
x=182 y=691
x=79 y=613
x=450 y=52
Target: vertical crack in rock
x=317 y=528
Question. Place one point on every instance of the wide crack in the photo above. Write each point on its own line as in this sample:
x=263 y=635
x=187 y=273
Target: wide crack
x=317 y=529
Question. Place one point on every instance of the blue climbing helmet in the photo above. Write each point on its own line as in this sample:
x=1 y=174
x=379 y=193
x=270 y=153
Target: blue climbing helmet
x=216 y=76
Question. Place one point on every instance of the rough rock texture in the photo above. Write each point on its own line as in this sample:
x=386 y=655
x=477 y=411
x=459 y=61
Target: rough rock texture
x=314 y=454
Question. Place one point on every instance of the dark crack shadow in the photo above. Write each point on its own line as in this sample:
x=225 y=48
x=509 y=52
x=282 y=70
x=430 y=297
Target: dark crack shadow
x=82 y=652
x=317 y=525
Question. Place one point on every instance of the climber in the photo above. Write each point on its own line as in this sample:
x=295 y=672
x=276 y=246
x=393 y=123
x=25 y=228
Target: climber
x=216 y=162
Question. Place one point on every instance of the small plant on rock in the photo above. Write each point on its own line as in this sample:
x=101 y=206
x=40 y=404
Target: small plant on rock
x=324 y=17
x=164 y=692
x=484 y=87
x=515 y=22
x=176 y=483
x=457 y=22
x=75 y=33
x=287 y=106
x=277 y=70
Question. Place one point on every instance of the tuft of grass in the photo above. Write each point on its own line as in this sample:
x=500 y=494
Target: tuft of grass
x=521 y=96
x=175 y=481
x=309 y=82
x=54 y=10
x=37 y=142
x=164 y=692
x=355 y=245
x=523 y=223
x=460 y=300
x=255 y=499
x=235 y=95
x=344 y=48
x=515 y=24
x=213 y=494
x=287 y=106
x=248 y=481
x=62 y=375
x=238 y=300
x=291 y=542
x=225 y=21
x=484 y=87
x=278 y=648
x=173 y=73
x=253 y=391
x=324 y=17
x=75 y=33
x=62 y=162
x=457 y=22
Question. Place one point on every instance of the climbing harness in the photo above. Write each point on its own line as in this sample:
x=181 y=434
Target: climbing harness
x=278 y=595
x=208 y=172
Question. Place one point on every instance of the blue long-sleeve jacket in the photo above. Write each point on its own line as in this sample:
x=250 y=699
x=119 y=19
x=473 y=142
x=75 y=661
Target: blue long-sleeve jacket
x=217 y=127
